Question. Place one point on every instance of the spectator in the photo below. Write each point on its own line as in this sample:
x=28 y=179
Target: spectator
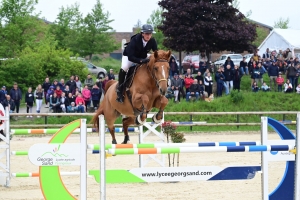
x=55 y=83
x=288 y=54
x=208 y=82
x=199 y=77
x=99 y=83
x=258 y=73
x=58 y=91
x=288 y=87
x=96 y=96
x=173 y=67
x=298 y=89
x=267 y=63
x=72 y=108
x=176 y=86
x=267 y=54
x=38 y=94
x=64 y=102
x=255 y=87
x=62 y=84
x=251 y=66
x=71 y=98
x=188 y=72
x=181 y=87
x=219 y=77
x=205 y=73
x=188 y=81
x=237 y=75
x=202 y=62
x=111 y=75
x=78 y=83
x=80 y=103
x=16 y=96
x=244 y=66
x=67 y=90
x=228 y=73
x=229 y=62
x=86 y=94
x=54 y=103
x=72 y=84
x=255 y=56
x=280 y=55
x=291 y=73
x=193 y=91
x=50 y=92
x=282 y=65
x=104 y=82
x=298 y=73
x=89 y=82
x=8 y=102
x=279 y=82
x=273 y=72
x=46 y=85
x=265 y=87
x=296 y=61
x=202 y=89
x=29 y=99
x=3 y=94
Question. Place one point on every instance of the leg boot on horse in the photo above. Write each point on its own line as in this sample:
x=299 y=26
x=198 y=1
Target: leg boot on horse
x=121 y=87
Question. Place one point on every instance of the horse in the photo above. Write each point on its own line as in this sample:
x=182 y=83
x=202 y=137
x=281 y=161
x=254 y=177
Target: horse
x=148 y=89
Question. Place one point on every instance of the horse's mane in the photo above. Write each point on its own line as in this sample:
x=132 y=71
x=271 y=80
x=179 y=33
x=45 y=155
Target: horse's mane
x=161 y=54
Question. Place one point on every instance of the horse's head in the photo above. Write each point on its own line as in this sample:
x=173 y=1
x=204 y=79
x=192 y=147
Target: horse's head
x=159 y=67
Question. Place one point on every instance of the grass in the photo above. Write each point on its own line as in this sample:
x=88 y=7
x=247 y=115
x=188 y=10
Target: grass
x=108 y=63
x=261 y=101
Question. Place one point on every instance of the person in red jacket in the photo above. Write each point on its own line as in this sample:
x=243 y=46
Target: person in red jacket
x=188 y=81
x=58 y=91
x=80 y=103
x=279 y=81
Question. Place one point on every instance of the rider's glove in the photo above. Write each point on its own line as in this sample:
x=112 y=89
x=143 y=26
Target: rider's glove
x=145 y=60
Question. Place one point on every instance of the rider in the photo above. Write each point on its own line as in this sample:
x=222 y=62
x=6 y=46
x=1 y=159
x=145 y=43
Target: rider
x=136 y=52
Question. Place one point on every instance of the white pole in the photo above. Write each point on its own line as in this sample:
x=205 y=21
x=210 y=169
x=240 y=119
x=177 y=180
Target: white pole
x=264 y=159
x=297 y=161
x=7 y=135
x=102 y=158
x=141 y=139
x=83 y=160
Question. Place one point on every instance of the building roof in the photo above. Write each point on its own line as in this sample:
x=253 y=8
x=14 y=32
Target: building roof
x=261 y=24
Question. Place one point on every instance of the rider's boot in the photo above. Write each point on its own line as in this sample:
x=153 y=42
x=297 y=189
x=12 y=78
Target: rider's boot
x=120 y=89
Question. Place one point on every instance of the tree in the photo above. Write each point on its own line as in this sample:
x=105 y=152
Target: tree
x=212 y=26
x=20 y=27
x=96 y=34
x=66 y=26
x=156 y=20
x=282 y=23
x=138 y=24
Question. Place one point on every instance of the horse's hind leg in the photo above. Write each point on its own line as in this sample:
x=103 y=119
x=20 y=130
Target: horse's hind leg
x=126 y=123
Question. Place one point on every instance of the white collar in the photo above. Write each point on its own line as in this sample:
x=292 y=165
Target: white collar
x=144 y=42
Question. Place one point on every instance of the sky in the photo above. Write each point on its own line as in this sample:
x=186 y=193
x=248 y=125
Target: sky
x=126 y=13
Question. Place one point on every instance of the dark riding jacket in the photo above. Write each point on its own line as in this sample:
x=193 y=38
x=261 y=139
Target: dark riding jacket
x=135 y=51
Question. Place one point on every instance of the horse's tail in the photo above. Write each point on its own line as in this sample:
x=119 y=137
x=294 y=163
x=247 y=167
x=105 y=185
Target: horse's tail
x=100 y=111
x=95 y=119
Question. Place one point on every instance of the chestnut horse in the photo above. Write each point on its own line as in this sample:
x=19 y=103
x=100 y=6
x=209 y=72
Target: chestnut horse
x=148 y=90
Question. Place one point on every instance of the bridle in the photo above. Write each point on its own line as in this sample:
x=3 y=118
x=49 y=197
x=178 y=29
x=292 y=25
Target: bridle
x=152 y=74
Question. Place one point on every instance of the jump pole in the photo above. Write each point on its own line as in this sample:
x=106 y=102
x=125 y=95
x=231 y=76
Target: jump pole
x=102 y=158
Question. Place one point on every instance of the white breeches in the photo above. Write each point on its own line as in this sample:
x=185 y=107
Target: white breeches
x=126 y=64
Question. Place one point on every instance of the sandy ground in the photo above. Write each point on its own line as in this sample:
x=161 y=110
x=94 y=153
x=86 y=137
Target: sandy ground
x=28 y=188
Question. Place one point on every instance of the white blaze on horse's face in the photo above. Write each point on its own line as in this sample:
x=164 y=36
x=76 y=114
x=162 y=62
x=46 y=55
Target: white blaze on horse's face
x=163 y=71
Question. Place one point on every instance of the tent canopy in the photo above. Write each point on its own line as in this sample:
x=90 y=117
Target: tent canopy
x=281 y=39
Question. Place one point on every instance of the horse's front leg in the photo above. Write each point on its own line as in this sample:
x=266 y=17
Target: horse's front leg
x=141 y=102
x=160 y=102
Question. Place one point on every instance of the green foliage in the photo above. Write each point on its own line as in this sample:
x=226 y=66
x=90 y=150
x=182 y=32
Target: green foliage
x=156 y=19
x=138 y=24
x=261 y=36
x=19 y=27
x=236 y=97
x=108 y=63
x=95 y=58
x=169 y=129
x=282 y=23
x=34 y=64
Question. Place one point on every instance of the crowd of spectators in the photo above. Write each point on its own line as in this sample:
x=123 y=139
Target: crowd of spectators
x=228 y=77
x=59 y=96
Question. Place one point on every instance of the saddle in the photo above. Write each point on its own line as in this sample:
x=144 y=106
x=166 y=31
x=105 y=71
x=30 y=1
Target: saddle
x=130 y=75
